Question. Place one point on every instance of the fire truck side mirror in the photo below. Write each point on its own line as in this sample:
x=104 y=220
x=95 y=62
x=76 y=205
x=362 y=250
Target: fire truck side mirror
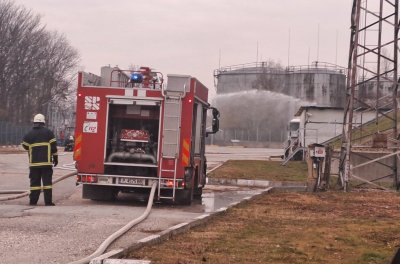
x=215 y=125
x=215 y=122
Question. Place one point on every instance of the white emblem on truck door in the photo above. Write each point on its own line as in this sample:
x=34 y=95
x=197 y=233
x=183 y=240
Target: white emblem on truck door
x=89 y=127
x=91 y=115
x=92 y=103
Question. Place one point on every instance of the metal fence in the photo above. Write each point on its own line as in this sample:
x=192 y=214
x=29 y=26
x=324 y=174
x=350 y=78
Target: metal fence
x=11 y=134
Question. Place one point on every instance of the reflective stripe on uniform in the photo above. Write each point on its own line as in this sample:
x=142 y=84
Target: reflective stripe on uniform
x=40 y=164
x=41 y=144
x=46 y=187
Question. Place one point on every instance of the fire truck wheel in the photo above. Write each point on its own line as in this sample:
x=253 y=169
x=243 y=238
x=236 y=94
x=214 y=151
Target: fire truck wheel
x=184 y=197
x=197 y=193
x=197 y=190
x=99 y=193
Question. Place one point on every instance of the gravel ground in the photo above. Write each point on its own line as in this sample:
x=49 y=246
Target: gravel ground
x=75 y=227
x=70 y=232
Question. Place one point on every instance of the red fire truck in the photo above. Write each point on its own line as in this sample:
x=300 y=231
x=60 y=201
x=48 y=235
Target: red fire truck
x=132 y=129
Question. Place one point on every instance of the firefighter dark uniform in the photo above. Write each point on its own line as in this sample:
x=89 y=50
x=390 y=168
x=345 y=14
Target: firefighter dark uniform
x=42 y=146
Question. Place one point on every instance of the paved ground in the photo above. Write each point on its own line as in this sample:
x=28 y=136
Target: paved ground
x=75 y=227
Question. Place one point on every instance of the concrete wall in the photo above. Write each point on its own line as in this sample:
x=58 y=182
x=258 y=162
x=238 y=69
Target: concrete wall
x=373 y=170
x=368 y=172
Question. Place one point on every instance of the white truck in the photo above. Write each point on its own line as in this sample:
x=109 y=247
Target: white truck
x=316 y=124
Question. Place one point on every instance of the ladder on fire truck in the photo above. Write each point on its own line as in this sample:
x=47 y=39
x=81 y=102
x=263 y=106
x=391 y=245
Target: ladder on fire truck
x=173 y=95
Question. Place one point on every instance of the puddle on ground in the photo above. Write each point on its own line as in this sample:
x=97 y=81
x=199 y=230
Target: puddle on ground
x=214 y=200
x=215 y=197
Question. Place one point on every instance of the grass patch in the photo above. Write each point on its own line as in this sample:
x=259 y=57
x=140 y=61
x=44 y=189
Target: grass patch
x=364 y=133
x=372 y=257
x=261 y=170
x=330 y=227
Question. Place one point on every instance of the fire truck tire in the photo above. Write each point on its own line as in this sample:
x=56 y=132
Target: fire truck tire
x=198 y=189
x=99 y=193
x=184 y=197
x=198 y=192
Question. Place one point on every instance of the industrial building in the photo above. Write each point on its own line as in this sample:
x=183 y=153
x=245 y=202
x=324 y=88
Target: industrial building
x=283 y=91
x=320 y=83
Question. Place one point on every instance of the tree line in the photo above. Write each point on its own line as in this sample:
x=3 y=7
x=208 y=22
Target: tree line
x=37 y=66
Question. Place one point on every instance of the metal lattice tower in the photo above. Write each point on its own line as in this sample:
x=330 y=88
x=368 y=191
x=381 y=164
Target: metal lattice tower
x=372 y=84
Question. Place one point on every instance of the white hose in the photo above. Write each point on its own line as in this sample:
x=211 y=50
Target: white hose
x=11 y=191
x=26 y=193
x=13 y=197
x=68 y=166
x=112 y=237
x=64 y=177
x=121 y=231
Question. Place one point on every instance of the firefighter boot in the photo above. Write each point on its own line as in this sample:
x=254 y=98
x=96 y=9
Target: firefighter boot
x=34 y=196
x=35 y=185
x=48 y=197
x=35 y=193
x=48 y=187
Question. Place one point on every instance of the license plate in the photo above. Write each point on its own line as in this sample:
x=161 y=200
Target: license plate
x=131 y=181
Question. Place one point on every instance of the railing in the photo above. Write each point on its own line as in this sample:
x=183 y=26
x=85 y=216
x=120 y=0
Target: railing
x=324 y=67
x=299 y=143
x=266 y=67
x=292 y=149
x=254 y=67
x=121 y=78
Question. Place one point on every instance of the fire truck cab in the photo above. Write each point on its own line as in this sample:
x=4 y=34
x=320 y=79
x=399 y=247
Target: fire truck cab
x=132 y=129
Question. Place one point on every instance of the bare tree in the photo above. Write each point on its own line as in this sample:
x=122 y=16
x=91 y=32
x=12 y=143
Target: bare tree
x=36 y=65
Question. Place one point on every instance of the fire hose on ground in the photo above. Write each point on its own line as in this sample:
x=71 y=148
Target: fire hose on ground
x=20 y=194
x=100 y=250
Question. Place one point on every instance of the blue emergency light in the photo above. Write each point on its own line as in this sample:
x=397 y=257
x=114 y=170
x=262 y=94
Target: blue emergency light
x=136 y=78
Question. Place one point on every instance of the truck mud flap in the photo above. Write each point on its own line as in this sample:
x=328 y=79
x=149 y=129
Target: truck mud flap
x=184 y=197
x=99 y=193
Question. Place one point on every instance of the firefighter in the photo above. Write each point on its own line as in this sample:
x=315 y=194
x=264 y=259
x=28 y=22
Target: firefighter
x=42 y=146
x=69 y=144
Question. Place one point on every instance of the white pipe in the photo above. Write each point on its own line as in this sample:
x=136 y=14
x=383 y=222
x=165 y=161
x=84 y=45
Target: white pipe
x=26 y=193
x=121 y=231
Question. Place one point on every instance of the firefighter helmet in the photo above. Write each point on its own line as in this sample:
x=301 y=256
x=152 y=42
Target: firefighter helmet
x=39 y=118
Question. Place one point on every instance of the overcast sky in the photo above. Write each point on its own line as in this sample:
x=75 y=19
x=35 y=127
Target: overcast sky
x=194 y=36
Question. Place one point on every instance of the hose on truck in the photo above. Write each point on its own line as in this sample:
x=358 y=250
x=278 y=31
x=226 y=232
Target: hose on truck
x=20 y=194
x=100 y=250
